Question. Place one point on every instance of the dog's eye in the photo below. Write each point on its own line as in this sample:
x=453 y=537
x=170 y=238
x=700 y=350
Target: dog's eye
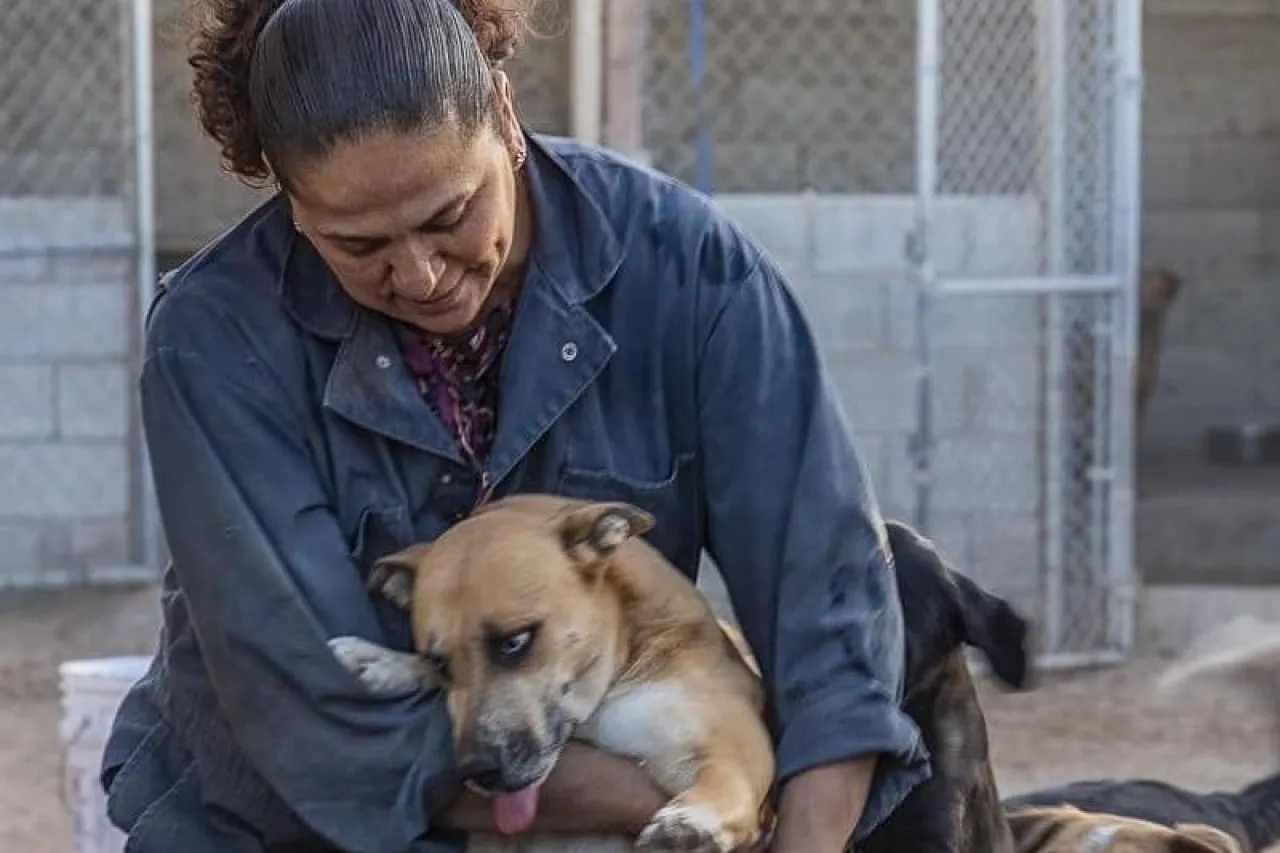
x=511 y=648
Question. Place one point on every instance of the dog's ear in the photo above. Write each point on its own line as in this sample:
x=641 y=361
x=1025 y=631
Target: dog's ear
x=992 y=626
x=393 y=575
x=1199 y=838
x=592 y=532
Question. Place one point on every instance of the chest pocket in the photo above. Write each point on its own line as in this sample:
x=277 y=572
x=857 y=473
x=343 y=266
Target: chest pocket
x=674 y=501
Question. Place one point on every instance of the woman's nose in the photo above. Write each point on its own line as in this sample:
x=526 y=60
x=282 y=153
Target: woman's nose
x=418 y=270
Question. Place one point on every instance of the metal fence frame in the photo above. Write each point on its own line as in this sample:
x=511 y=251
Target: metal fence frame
x=1113 y=492
x=128 y=244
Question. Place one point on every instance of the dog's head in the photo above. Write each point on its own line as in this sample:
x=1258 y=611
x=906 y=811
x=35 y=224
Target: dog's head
x=944 y=610
x=514 y=619
x=1066 y=829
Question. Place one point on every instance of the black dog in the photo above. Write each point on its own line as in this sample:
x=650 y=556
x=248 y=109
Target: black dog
x=958 y=809
x=1247 y=654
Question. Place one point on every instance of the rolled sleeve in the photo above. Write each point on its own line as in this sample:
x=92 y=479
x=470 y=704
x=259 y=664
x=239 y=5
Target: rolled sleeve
x=267 y=579
x=795 y=529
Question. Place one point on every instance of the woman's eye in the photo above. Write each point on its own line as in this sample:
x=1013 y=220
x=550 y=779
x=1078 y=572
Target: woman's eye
x=449 y=219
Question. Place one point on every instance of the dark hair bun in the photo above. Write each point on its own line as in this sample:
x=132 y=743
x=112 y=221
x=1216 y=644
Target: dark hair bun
x=221 y=52
x=499 y=25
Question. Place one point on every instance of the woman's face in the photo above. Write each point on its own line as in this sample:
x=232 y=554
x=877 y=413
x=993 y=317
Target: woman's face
x=427 y=229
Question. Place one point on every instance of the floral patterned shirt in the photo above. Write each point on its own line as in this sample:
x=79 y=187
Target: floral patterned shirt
x=459 y=378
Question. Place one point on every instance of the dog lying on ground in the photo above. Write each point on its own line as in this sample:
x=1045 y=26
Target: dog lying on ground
x=1066 y=829
x=587 y=560
x=1246 y=652
x=958 y=809
x=546 y=618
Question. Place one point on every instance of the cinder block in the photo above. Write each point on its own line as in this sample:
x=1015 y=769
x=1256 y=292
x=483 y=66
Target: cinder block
x=986 y=390
x=781 y=223
x=62 y=480
x=95 y=268
x=20 y=556
x=1234 y=172
x=861 y=233
x=897 y=488
x=981 y=320
x=80 y=321
x=94 y=401
x=26 y=401
x=1006 y=235
x=24 y=269
x=986 y=473
x=79 y=545
x=846 y=310
x=1166 y=173
x=875 y=388
x=1005 y=551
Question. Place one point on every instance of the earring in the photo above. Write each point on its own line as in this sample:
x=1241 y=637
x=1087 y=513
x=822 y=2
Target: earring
x=521 y=156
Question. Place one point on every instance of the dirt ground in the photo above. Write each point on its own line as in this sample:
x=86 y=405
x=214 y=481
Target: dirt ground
x=1072 y=726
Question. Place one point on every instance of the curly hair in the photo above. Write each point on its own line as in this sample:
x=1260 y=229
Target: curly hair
x=279 y=81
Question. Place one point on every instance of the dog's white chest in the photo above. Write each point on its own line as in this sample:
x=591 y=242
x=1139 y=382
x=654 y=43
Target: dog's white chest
x=659 y=724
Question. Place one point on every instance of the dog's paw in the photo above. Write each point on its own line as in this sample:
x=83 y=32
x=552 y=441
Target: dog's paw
x=685 y=828
x=379 y=670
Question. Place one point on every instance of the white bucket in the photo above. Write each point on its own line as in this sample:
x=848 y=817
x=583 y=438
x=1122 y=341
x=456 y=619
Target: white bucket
x=91 y=692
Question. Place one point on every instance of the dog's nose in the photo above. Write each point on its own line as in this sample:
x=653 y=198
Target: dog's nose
x=481 y=768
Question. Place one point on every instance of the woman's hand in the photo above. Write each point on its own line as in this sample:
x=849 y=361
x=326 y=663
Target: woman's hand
x=589 y=791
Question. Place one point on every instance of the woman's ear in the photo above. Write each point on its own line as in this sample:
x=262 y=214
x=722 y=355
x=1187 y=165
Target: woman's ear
x=508 y=123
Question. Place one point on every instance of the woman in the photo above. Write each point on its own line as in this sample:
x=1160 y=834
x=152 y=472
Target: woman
x=436 y=308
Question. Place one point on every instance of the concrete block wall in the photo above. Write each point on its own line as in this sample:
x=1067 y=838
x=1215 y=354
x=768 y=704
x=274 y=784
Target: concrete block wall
x=68 y=335
x=1211 y=151
x=844 y=257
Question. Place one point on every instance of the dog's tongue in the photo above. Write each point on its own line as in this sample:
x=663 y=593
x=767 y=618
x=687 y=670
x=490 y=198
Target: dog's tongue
x=513 y=813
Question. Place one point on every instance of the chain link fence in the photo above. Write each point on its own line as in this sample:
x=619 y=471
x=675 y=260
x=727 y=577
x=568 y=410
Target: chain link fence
x=939 y=179
x=71 y=495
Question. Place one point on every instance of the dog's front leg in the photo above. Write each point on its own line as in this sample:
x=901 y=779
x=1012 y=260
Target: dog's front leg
x=383 y=672
x=722 y=810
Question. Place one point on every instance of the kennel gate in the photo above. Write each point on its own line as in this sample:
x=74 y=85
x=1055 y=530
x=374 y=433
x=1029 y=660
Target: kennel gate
x=1025 y=342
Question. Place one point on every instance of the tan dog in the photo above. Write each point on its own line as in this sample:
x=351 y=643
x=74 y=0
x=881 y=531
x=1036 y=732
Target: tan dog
x=1066 y=829
x=545 y=619
x=1157 y=289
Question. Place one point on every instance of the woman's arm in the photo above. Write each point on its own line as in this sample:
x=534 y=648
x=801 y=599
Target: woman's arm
x=589 y=791
x=793 y=524
x=267 y=579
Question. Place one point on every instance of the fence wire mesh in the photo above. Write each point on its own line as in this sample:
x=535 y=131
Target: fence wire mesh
x=826 y=97
x=69 y=497
x=1026 y=107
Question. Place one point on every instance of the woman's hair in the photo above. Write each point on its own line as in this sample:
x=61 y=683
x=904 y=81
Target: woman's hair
x=280 y=82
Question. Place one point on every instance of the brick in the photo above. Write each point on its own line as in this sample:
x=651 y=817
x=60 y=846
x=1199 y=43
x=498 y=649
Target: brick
x=92 y=320
x=60 y=480
x=94 y=401
x=26 y=401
